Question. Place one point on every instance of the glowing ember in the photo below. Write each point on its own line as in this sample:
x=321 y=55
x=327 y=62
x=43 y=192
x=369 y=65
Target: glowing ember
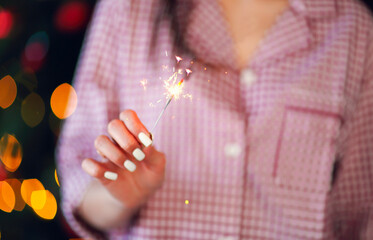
x=188 y=96
x=178 y=59
x=144 y=82
x=188 y=71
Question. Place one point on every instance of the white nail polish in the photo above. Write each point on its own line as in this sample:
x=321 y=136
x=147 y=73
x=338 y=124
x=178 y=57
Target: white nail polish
x=145 y=139
x=130 y=166
x=138 y=154
x=111 y=175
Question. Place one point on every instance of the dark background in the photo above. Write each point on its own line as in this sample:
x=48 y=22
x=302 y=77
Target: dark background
x=64 y=23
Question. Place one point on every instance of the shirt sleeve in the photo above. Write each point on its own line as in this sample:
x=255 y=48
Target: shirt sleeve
x=94 y=83
x=353 y=190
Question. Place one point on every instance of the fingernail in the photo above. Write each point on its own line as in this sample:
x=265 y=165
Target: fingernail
x=138 y=154
x=111 y=175
x=145 y=139
x=129 y=165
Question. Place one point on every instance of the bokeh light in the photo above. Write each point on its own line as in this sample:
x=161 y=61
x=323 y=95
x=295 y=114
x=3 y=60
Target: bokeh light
x=186 y=202
x=32 y=109
x=72 y=16
x=38 y=199
x=10 y=152
x=6 y=23
x=3 y=173
x=54 y=124
x=49 y=209
x=56 y=177
x=37 y=46
x=35 y=51
x=16 y=186
x=27 y=187
x=7 y=197
x=8 y=91
x=64 y=101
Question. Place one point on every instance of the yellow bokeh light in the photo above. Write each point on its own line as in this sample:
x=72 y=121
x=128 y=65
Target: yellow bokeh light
x=27 y=187
x=7 y=197
x=186 y=202
x=49 y=209
x=56 y=177
x=32 y=109
x=54 y=124
x=38 y=199
x=10 y=152
x=64 y=101
x=8 y=91
x=16 y=185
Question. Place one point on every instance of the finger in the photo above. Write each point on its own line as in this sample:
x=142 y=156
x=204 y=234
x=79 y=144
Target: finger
x=135 y=126
x=99 y=170
x=113 y=153
x=157 y=162
x=125 y=139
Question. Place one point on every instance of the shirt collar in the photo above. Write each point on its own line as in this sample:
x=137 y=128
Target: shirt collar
x=207 y=39
x=314 y=9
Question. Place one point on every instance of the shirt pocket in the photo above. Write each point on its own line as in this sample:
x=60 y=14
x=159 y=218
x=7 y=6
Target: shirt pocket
x=306 y=146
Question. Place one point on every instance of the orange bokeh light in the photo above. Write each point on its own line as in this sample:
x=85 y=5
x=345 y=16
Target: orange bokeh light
x=8 y=91
x=7 y=197
x=64 y=101
x=32 y=109
x=27 y=187
x=16 y=185
x=49 y=209
x=38 y=199
x=10 y=152
x=56 y=177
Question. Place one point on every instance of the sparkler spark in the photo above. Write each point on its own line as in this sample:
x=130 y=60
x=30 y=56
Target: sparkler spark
x=144 y=82
x=188 y=71
x=173 y=89
x=178 y=59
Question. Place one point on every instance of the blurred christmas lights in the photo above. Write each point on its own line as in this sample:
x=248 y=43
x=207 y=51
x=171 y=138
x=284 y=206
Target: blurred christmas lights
x=64 y=101
x=6 y=23
x=32 y=109
x=72 y=16
x=8 y=91
x=10 y=152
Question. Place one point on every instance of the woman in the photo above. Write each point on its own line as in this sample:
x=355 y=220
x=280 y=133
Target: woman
x=275 y=143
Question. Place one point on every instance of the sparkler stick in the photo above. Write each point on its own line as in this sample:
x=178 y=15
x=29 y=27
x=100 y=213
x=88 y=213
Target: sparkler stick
x=161 y=114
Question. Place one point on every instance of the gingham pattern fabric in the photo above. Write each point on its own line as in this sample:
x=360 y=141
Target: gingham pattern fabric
x=282 y=149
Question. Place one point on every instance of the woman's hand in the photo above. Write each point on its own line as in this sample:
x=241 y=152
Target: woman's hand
x=133 y=169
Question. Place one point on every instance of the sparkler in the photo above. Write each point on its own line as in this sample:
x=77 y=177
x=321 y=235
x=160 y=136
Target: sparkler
x=173 y=91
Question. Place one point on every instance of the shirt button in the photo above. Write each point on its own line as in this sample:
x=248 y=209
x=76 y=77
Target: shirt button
x=227 y=238
x=247 y=77
x=232 y=150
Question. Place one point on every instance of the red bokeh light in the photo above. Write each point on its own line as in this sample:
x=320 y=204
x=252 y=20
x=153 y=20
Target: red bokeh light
x=31 y=66
x=72 y=16
x=3 y=173
x=35 y=51
x=6 y=23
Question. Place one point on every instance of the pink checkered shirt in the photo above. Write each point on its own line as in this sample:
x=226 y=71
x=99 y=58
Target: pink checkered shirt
x=282 y=149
